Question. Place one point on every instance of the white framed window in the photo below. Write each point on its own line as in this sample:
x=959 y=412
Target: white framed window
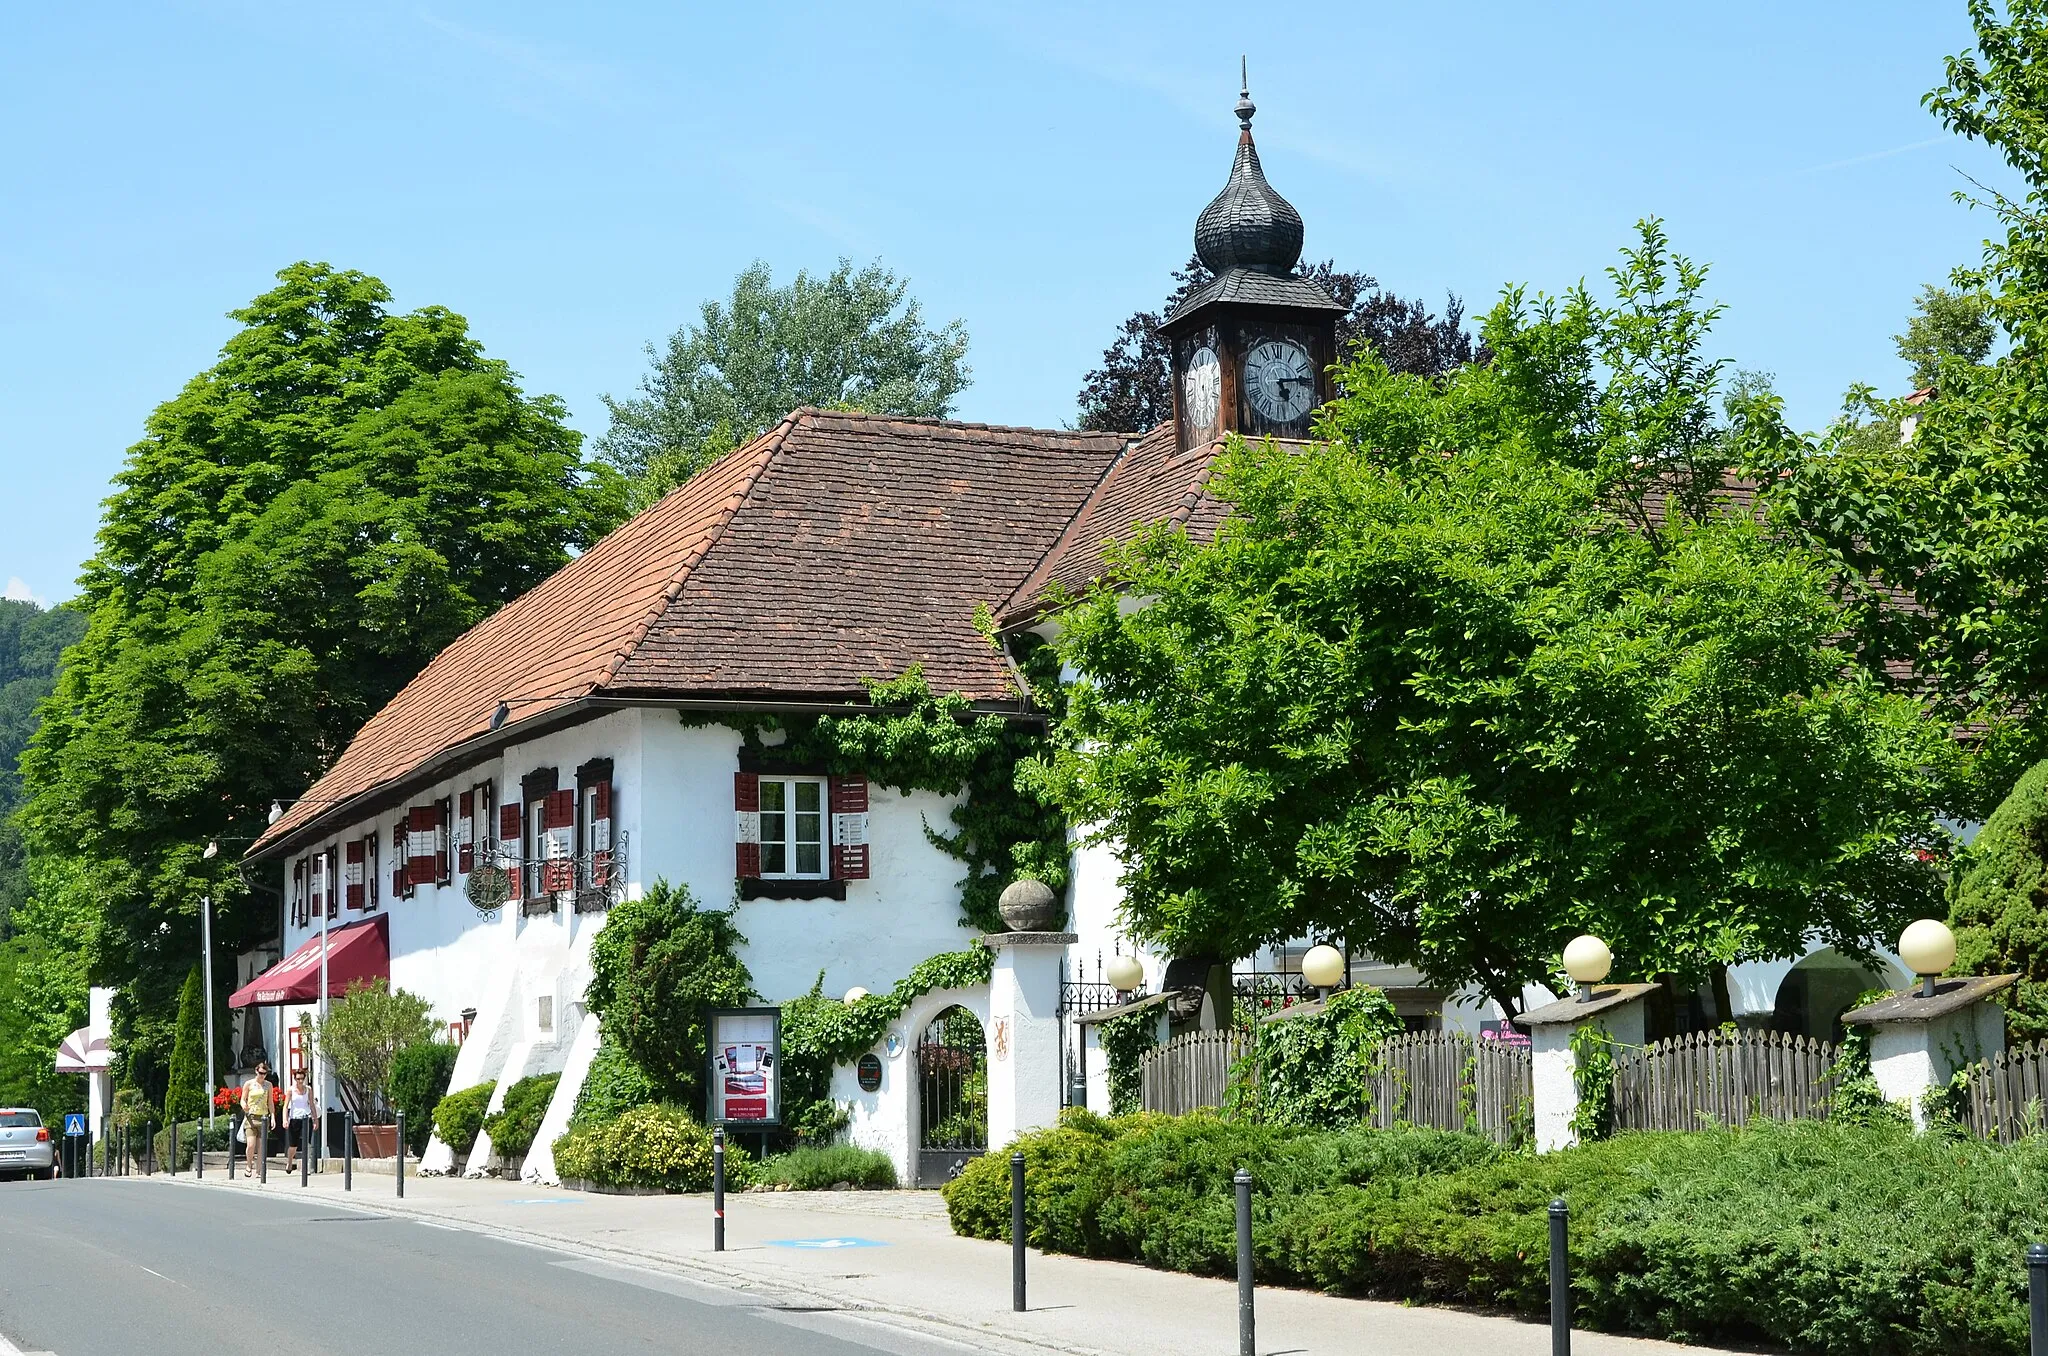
x=793 y=828
x=537 y=837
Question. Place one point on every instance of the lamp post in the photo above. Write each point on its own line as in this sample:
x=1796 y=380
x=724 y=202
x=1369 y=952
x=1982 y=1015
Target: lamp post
x=1928 y=948
x=1587 y=960
x=1124 y=973
x=206 y=977
x=1323 y=967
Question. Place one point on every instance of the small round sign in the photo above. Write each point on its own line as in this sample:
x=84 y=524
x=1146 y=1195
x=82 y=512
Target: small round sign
x=869 y=1071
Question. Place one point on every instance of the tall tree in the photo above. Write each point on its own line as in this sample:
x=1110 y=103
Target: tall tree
x=853 y=338
x=299 y=531
x=1133 y=389
x=1467 y=680
x=31 y=642
x=1950 y=520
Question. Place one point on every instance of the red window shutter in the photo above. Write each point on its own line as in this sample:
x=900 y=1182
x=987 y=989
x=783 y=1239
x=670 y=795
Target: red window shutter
x=419 y=846
x=601 y=835
x=508 y=843
x=849 y=828
x=356 y=891
x=746 y=804
x=370 y=870
x=401 y=866
x=558 y=854
x=465 y=835
x=440 y=840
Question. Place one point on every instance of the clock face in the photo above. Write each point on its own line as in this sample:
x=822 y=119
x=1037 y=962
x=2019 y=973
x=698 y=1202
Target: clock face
x=1280 y=380
x=1201 y=387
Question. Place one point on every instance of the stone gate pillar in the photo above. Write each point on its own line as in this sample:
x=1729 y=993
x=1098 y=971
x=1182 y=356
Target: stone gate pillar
x=1616 y=1009
x=1918 y=1040
x=1024 y=1032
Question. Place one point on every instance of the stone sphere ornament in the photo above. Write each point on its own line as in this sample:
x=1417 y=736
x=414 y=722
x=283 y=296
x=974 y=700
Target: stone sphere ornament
x=1587 y=959
x=1028 y=906
x=1927 y=946
x=1124 y=973
x=1323 y=966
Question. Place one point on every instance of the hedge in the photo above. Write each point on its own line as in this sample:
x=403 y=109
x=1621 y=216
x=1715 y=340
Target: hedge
x=1851 y=1240
x=459 y=1117
x=420 y=1074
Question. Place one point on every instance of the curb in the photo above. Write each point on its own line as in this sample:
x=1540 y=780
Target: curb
x=789 y=1285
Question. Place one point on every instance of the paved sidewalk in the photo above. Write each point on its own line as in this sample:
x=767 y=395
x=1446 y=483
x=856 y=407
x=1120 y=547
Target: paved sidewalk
x=892 y=1256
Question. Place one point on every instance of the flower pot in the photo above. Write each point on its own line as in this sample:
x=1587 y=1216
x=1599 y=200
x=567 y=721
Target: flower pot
x=376 y=1141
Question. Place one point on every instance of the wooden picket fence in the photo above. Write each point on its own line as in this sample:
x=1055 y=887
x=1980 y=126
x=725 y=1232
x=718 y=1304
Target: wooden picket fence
x=1723 y=1078
x=1447 y=1080
x=2008 y=1093
x=1190 y=1071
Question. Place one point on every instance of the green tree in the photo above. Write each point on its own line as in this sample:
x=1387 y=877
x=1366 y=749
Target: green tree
x=361 y=1037
x=853 y=338
x=1950 y=520
x=2000 y=913
x=185 y=1097
x=31 y=641
x=299 y=531
x=1493 y=666
x=43 y=985
x=655 y=969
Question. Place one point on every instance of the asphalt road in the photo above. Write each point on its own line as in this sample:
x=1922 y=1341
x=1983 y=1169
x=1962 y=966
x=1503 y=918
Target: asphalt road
x=140 y=1268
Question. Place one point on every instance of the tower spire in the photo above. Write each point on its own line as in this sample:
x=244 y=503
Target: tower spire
x=1245 y=106
x=1248 y=225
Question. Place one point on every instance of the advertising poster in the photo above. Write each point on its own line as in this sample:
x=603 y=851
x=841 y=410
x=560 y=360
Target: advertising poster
x=746 y=1078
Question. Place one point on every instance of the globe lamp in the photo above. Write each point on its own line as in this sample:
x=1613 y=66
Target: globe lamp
x=1928 y=948
x=1323 y=966
x=855 y=994
x=1124 y=973
x=1587 y=960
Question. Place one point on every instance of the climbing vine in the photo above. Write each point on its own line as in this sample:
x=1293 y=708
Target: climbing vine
x=915 y=740
x=819 y=1033
x=1124 y=1042
x=1593 y=1076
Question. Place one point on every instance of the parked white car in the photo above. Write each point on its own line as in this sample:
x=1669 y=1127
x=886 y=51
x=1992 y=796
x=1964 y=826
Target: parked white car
x=25 y=1144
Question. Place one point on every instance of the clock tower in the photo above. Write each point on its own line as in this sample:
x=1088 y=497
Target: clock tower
x=1253 y=346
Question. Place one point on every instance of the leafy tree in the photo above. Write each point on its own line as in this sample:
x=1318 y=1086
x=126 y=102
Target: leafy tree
x=185 y=1097
x=361 y=1037
x=657 y=966
x=1949 y=521
x=31 y=640
x=1947 y=323
x=852 y=338
x=1468 y=680
x=1133 y=389
x=43 y=986
x=2000 y=913
x=299 y=531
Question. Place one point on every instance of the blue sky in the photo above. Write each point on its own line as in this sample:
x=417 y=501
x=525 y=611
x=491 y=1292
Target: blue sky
x=576 y=179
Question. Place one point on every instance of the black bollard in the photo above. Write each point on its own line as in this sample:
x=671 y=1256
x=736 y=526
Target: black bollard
x=1246 y=1345
x=198 y=1150
x=148 y=1149
x=718 y=1189
x=231 y=1151
x=348 y=1152
x=401 y=1155
x=263 y=1153
x=1017 y=1232
x=2037 y=1299
x=305 y=1154
x=174 y=1148
x=1560 y=1279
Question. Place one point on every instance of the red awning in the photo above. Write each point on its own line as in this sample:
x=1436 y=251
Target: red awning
x=358 y=952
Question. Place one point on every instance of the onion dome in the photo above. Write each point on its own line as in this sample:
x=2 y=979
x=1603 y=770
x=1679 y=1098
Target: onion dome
x=1248 y=225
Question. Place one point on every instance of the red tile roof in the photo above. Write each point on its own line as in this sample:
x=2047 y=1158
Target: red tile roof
x=834 y=548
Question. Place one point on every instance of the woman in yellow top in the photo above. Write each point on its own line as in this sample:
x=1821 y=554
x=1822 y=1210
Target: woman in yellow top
x=257 y=1099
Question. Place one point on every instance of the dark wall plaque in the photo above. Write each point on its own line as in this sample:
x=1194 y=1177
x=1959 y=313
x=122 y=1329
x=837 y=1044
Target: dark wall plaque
x=869 y=1071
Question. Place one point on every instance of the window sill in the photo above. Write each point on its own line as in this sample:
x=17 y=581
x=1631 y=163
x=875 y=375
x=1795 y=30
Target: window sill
x=754 y=888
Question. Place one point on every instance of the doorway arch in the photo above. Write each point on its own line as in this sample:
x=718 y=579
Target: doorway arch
x=1816 y=991
x=952 y=1095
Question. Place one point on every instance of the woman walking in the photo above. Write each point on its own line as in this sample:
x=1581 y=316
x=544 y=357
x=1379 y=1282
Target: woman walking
x=299 y=1111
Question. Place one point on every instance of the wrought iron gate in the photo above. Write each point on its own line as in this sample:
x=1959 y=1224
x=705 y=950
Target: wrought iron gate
x=952 y=1096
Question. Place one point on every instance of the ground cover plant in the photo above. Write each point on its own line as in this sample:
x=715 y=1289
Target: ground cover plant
x=822 y=1167
x=1845 y=1239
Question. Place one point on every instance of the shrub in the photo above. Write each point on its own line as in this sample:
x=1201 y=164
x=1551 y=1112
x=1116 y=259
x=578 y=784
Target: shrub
x=613 y=1085
x=363 y=1032
x=419 y=1080
x=216 y=1140
x=1863 y=1240
x=1997 y=914
x=818 y=1167
x=514 y=1125
x=1316 y=1070
x=185 y=1095
x=660 y=1147
x=659 y=963
x=459 y=1117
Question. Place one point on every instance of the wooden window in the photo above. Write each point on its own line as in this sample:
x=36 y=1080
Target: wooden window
x=793 y=838
x=849 y=828
x=370 y=877
x=558 y=823
x=444 y=860
x=401 y=865
x=358 y=881
x=746 y=804
x=509 y=855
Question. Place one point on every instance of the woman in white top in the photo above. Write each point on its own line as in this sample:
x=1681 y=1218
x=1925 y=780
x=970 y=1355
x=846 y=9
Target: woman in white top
x=298 y=1107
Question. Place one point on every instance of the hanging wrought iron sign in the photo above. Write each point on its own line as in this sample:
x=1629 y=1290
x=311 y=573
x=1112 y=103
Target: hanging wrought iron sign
x=487 y=888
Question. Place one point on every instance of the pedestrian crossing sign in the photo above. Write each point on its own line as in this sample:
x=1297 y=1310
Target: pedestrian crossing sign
x=74 y=1122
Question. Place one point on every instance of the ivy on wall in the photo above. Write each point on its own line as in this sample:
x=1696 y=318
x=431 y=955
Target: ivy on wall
x=819 y=1033
x=1124 y=1041
x=914 y=740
